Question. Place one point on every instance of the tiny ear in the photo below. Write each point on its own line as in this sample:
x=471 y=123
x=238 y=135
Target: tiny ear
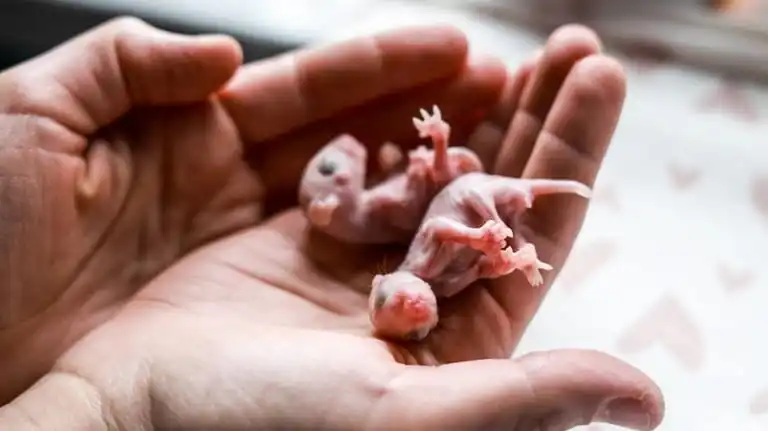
x=320 y=211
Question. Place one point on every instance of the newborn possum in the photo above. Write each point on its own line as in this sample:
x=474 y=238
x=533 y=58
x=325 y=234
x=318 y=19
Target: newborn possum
x=463 y=238
x=332 y=191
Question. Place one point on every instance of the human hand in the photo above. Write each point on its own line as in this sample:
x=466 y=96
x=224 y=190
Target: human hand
x=143 y=168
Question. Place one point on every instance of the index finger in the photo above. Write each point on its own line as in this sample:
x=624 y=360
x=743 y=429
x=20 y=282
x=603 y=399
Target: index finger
x=274 y=96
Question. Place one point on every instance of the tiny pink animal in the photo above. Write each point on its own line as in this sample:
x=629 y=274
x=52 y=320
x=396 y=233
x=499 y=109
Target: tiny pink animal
x=332 y=192
x=463 y=238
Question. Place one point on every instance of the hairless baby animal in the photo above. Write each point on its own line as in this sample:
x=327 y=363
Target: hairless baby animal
x=332 y=192
x=463 y=237
x=458 y=219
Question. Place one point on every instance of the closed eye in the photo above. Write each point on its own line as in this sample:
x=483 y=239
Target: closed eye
x=326 y=167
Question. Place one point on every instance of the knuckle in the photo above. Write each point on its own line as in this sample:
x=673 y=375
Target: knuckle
x=127 y=24
x=15 y=91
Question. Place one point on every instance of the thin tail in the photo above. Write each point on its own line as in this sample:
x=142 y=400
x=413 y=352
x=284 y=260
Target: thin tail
x=548 y=187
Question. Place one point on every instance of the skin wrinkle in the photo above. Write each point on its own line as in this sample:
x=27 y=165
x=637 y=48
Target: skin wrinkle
x=300 y=82
x=379 y=405
x=23 y=106
x=564 y=48
x=153 y=221
x=241 y=212
x=166 y=167
x=39 y=133
x=299 y=290
x=504 y=330
x=65 y=294
x=303 y=80
x=128 y=25
x=583 y=156
x=531 y=394
x=79 y=268
x=91 y=115
x=106 y=415
x=528 y=126
x=219 y=112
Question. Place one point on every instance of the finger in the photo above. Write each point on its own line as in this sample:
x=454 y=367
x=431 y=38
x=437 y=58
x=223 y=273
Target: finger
x=463 y=100
x=95 y=78
x=513 y=91
x=277 y=95
x=486 y=140
x=555 y=390
x=565 y=47
x=572 y=146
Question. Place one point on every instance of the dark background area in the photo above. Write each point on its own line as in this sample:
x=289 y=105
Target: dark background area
x=30 y=27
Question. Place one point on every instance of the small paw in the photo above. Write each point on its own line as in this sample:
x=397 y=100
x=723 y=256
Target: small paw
x=530 y=265
x=498 y=265
x=431 y=126
x=496 y=233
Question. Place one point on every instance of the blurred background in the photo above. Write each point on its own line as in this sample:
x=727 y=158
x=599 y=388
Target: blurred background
x=669 y=272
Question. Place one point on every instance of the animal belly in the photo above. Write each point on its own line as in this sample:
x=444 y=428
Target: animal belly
x=456 y=275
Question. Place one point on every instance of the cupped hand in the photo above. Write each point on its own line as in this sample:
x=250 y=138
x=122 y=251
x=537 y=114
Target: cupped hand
x=154 y=256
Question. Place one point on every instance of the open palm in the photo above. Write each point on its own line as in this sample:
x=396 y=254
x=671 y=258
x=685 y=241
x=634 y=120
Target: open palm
x=169 y=224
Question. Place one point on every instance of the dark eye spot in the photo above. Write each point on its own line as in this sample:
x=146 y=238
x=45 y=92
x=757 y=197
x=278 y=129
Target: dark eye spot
x=326 y=168
x=414 y=335
x=380 y=299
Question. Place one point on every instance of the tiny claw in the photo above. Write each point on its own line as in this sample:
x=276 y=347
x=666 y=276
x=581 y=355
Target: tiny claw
x=436 y=113
x=528 y=200
x=424 y=113
x=536 y=279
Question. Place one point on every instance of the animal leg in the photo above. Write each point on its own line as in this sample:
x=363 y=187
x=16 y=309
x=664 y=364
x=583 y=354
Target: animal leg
x=435 y=261
x=489 y=238
x=487 y=266
x=434 y=127
x=483 y=205
x=526 y=259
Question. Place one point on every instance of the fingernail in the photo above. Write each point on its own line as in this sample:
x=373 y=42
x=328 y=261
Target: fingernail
x=626 y=412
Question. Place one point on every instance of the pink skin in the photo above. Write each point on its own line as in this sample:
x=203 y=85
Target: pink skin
x=333 y=196
x=405 y=306
x=462 y=239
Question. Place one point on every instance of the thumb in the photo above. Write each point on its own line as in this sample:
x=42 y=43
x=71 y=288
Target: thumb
x=550 y=391
x=91 y=80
